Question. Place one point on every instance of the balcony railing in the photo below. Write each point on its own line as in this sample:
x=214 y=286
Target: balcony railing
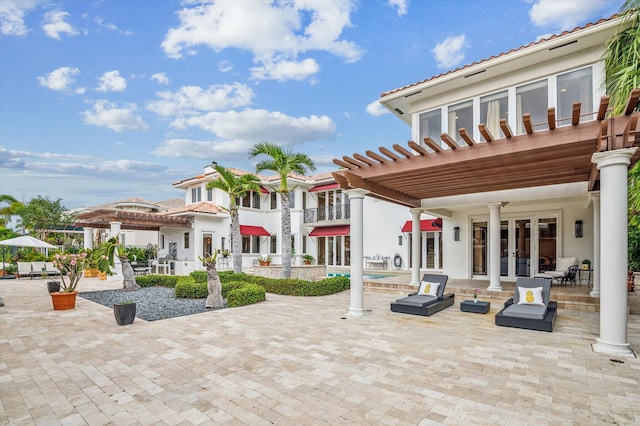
x=327 y=214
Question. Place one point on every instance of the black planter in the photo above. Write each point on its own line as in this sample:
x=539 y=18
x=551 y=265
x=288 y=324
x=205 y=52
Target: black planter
x=53 y=286
x=124 y=313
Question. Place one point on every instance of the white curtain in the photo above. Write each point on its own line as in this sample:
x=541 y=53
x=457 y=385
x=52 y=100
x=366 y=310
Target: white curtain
x=493 y=118
x=519 y=125
x=452 y=125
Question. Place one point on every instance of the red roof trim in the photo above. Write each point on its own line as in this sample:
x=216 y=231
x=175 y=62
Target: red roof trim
x=264 y=190
x=325 y=187
x=426 y=225
x=257 y=231
x=330 y=231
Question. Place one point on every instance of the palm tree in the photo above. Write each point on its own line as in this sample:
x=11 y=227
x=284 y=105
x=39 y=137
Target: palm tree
x=283 y=161
x=621 y=59
x=12 y=209
x=622 y=56
x=237 y=187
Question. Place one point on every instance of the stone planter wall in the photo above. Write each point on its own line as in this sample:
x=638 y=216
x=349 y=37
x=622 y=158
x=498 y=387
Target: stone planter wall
x=309 y=273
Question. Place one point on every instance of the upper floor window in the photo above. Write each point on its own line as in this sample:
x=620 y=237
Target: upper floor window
x=493 y=108
x=430 y=125
x=186 y=240
x=274 y=200
x=196 y=194
x=532 y=99
x=573 y=87
x=250 y=200
x=460 y=117
x=209 y=194
x=292 y=199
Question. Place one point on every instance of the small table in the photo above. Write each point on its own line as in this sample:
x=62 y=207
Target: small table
x=476 y=308
x=588 y=279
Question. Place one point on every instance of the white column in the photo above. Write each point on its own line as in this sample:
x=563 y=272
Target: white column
x=356 y=306
x=115 y=233
x=613 y=252
x=595 y=265
x=88 y=238
x=494 y=247
x=415 y=246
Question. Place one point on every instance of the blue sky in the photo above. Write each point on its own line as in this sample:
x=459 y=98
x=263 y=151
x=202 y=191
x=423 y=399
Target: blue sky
x=109 y=99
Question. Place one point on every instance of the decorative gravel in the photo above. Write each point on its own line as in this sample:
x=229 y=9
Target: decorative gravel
x=152 y=303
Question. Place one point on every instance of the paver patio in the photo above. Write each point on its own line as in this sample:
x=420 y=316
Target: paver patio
x=295 y=361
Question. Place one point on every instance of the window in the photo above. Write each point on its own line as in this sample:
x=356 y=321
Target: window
x=246 y=200
x=255 y=198
x=430 y=125
x=304 y=244
x=304 y=200
x=493 y=108
x=186 y=240
x=209 y=194
x=460 y=116
x=255 y=244
x=246 y=244
x=273 y=243
x=196 y=195
x=274 y=201
x=292 y=200
x=162 y=241
x=573 y=87
x=533 y=99
x=207 y=244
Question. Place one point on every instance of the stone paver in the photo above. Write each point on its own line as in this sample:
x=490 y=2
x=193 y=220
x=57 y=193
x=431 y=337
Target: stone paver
x=297 y=361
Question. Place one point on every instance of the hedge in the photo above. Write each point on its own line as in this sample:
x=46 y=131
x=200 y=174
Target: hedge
x=153 y=280
x=199 y=276
x=187 y=287
x=246 y=295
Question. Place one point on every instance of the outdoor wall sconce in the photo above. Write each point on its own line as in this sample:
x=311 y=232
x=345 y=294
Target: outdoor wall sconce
x=399 y=240
x=456 y=233
x=578 y=229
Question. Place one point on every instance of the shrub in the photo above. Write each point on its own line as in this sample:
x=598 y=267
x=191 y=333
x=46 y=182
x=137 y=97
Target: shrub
x=296 y=287
x=187 y=287
x=153 y=280
x=246 y=295
x=232 y=285
x=226 y=276
x=199 y=276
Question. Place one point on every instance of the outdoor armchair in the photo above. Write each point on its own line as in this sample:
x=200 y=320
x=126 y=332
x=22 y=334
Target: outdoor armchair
x=566 y=268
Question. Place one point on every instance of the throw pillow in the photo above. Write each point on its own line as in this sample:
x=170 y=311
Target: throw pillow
x=428 y=289
x=530 y=296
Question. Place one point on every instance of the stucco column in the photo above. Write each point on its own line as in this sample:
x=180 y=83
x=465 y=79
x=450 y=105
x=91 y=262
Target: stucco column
x=494 y=247
x=356 y=305
x=88 y=238
x=415 y=246
x=117 y=265
x=613 y=252
x=595 y=265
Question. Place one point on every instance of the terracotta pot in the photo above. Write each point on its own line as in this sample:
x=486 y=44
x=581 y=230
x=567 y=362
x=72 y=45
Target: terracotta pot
x=102 y=275
x=265 y=263
x=64 y=301
x=90 y=273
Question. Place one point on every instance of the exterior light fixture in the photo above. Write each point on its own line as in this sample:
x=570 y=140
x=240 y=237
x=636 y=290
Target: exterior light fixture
x=399 y=240
x=578 y=229
x=456 y=233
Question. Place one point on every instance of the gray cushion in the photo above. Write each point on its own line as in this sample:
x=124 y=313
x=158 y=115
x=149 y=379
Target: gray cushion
x=525 y=311
x=416 y=300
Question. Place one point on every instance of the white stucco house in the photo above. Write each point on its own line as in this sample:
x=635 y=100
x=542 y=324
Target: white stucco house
x=522 y=160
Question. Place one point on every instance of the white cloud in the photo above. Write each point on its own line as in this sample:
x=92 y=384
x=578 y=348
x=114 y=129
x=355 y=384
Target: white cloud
x=112 y=81
x=60 y=79
x=286 y=70
x=565 y=14
x=224 y=66
x=376 y=109
x=401 y=5
x=252 y=125
x=191 y=100
x=275 y=32
x=161 y=78
x=54 y=24
x=449 y=53
x=108 y=114
x=12 y=13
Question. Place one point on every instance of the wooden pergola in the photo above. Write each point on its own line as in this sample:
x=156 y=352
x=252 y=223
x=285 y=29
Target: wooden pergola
x=556 y=155
x=130 y=220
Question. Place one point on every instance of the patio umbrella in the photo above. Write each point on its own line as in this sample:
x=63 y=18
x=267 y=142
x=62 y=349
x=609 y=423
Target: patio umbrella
x=25 y=241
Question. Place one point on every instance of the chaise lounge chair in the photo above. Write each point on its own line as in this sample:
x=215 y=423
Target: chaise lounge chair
x=565 y=272
x=530 y=306
x=429 y=298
